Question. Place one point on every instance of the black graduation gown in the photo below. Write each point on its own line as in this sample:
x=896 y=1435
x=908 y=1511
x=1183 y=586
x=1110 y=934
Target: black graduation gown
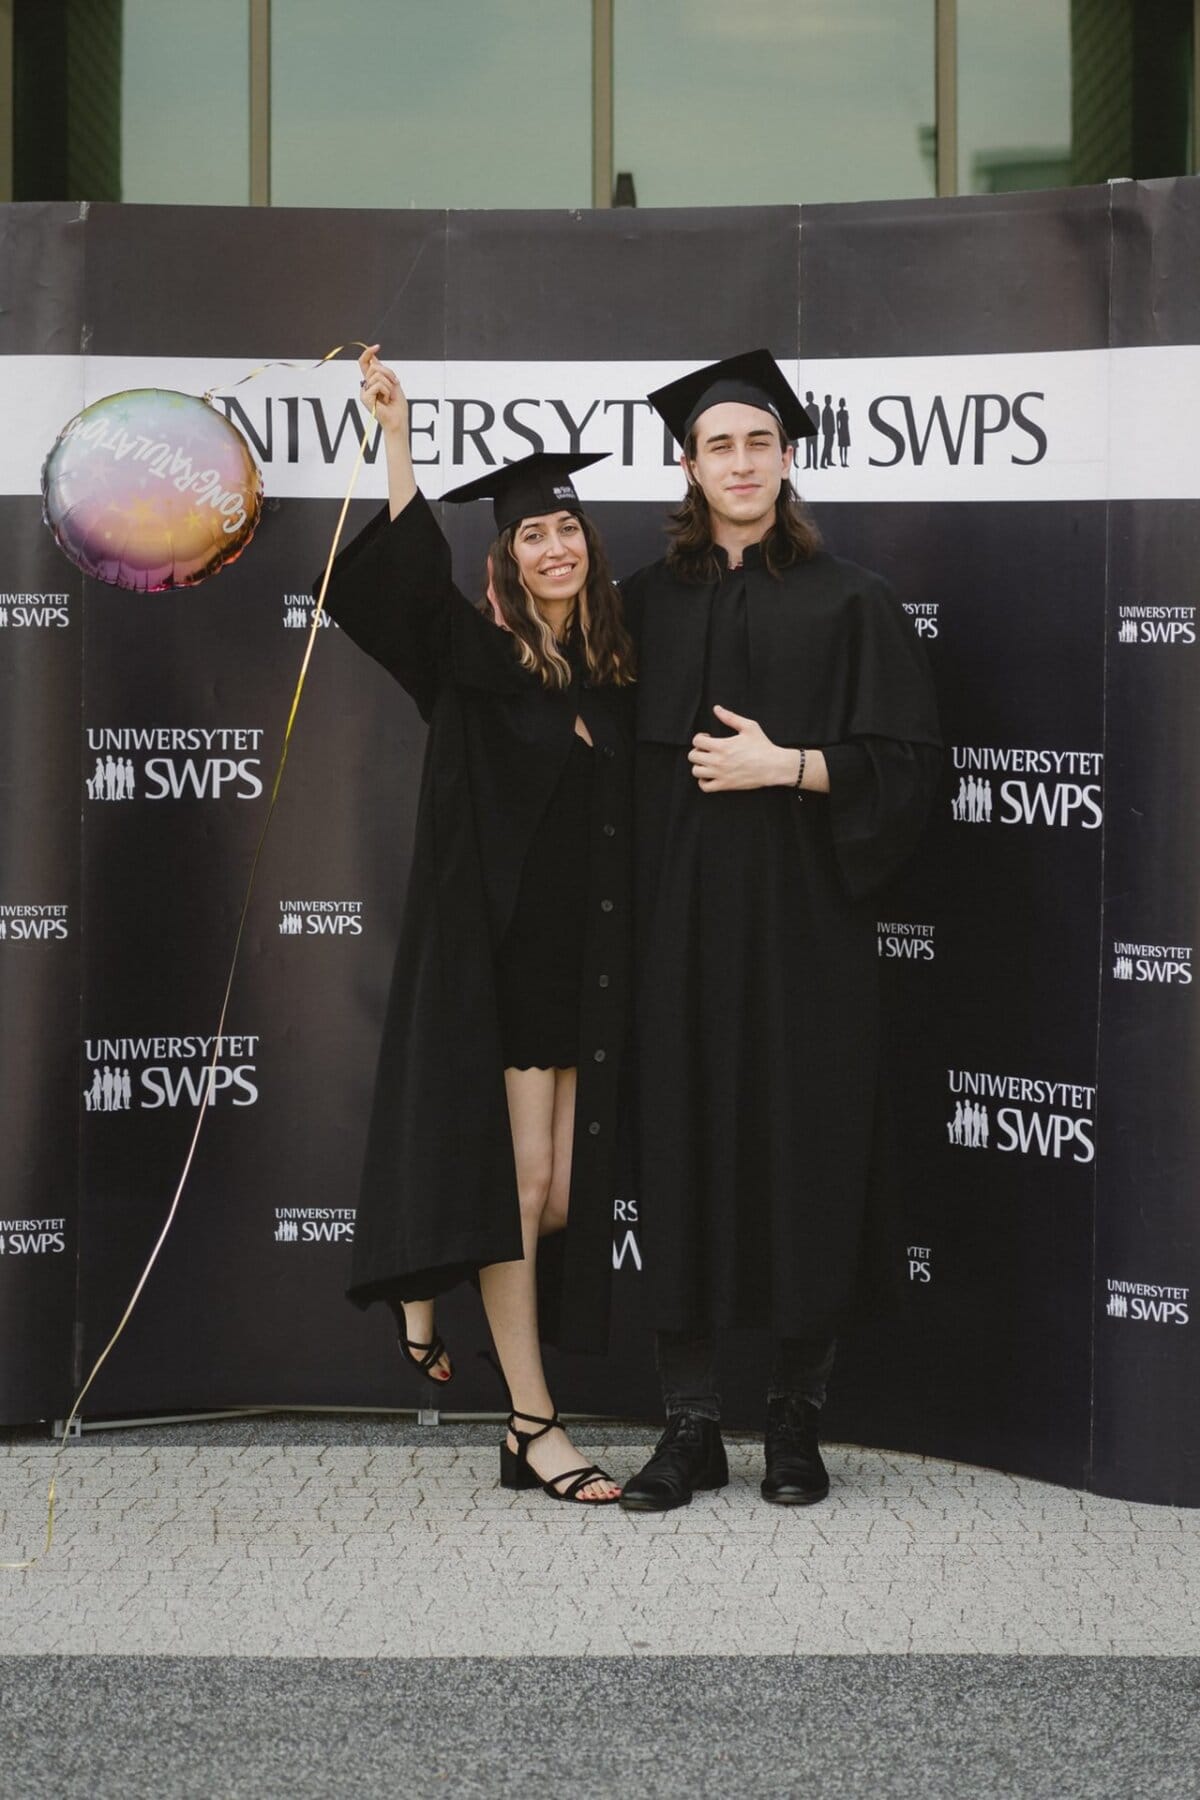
x=756 y=954
x=438 y=1197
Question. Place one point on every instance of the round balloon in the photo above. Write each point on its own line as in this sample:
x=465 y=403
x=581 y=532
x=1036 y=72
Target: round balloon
x=151 y=489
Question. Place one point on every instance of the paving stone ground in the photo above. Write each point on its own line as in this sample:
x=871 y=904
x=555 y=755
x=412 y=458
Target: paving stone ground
x=413 y=1550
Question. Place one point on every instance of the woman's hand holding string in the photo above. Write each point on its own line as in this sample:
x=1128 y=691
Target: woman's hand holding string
x=387 y=402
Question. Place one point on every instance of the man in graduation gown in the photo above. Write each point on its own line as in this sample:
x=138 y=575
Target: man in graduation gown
x=787 y=752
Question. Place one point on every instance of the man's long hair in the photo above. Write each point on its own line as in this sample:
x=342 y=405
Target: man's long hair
x=792 y=538
x=597 y=617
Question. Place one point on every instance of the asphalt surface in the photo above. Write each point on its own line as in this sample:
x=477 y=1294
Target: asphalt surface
x=892 y=1728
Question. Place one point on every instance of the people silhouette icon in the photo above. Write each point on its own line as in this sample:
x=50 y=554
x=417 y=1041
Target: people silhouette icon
x=828 y=427
x=810 y=443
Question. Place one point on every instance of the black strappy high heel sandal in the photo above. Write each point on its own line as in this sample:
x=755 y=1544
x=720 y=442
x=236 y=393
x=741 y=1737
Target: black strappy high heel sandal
x=422 y=1363
x=515 y=1471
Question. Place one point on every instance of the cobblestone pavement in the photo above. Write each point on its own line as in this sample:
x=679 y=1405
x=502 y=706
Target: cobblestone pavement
x=411 y=1550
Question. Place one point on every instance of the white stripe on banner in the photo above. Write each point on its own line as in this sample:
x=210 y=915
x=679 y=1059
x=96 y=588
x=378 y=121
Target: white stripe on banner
x=1059 y=425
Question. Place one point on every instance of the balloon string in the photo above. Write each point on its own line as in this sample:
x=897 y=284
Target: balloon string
x=206 y=1095
x=227 y=386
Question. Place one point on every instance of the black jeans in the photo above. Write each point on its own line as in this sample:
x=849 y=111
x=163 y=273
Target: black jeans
x=687 y=1369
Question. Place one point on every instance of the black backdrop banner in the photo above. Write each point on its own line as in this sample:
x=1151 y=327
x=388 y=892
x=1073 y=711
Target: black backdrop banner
x=1004 y=434
x=41 y=673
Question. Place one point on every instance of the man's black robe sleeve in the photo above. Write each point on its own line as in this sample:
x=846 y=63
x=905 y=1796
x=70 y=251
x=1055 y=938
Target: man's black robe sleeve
x=884 y=772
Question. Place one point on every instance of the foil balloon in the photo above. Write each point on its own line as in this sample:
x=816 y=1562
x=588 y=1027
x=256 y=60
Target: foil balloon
x=151 y=489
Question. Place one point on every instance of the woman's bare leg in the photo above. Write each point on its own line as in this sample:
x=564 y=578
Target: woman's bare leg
x=415 y=1319
x=509 y=1289
x=554 y=1213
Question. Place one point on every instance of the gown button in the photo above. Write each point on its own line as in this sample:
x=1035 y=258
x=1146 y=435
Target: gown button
x=606 y=906
x=609 y=751
x=610 y=831
x=604 y=981
x=598 y=1056
x=594 y=1128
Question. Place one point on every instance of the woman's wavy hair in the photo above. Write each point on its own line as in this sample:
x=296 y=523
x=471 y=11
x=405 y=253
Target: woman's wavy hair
x=792 y=538
x=597 y=617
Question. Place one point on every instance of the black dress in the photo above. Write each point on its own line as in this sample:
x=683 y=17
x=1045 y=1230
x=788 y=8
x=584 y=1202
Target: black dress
x=540 y=960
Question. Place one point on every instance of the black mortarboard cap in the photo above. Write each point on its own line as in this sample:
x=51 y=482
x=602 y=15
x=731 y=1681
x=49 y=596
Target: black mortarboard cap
x=537 y=484
x=754 y=378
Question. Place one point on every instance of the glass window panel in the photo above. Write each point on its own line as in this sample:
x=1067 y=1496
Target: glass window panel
x=408 y=103
x=185 y=102
x=1014 y=94
x=768 y=102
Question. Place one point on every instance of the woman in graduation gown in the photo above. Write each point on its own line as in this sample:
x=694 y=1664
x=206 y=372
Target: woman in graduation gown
x=493 y=1122
x=787 y=755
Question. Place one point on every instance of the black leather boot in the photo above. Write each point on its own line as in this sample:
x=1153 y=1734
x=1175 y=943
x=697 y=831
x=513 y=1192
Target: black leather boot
x=689 y=1457
x=795 y=1475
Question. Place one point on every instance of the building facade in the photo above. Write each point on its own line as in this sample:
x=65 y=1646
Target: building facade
x=579 y=103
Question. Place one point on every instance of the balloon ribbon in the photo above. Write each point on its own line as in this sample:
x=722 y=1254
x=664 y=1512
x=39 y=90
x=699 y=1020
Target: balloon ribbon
x=210 y=1072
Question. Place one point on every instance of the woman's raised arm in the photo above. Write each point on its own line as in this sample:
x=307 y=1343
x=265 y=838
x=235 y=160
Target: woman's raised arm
x=386 y=399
